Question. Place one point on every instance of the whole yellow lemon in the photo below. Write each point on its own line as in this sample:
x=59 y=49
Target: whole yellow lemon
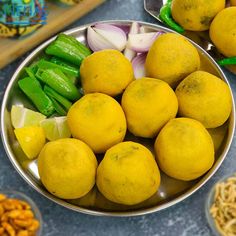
x=184 y=149
x=204 y=97
x=171 y=58
x=148 y=105
x=67 y=168
x=107 y=71
x=196 y=15
x=128 y=174
x=223 y=31
x=98 y=120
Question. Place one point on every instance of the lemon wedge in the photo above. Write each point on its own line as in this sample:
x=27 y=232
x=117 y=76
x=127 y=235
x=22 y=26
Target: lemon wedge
x=31 y=140
x=22 y=117
x=56 y=128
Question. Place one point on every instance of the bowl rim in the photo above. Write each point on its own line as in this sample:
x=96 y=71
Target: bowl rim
x=127 y=213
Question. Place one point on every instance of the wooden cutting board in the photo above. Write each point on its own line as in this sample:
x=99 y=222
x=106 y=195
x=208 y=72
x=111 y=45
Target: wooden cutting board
x=58 y=18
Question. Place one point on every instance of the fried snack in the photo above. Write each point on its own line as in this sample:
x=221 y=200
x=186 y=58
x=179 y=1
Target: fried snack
x=223 y=209
x=16 y=218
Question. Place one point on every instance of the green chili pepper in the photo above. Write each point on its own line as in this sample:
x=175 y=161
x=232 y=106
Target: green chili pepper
x=73 y=79
x=58 y=81
x=68 y=48
x=227 y=61
x=53 y=94
x=61 y=62
x=165 y=16
x=58 y=61
x=59 y=109
x=30 y=72
x=33 y=90
x=72 y=71
x=33 y=67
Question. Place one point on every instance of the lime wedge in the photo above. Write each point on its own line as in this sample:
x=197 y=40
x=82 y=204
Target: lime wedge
x=22 y=117
x=56 y=128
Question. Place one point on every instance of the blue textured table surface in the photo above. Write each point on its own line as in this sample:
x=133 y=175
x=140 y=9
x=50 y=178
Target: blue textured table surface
x=184 y=219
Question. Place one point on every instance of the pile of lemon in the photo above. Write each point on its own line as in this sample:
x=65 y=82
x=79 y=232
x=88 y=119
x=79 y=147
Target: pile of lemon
x=114 y=104
x=217 y=16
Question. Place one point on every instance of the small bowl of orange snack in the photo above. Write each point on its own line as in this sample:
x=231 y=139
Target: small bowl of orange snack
x=19 y=215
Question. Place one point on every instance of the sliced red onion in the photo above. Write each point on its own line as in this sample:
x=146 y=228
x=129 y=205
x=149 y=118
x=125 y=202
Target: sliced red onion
x=145 y=29
x=135 y=28
x=125 y=28
x=142 y=30
x=114 y=35
x=142 y=42
x=96 y=42
x=129 y=53
x=138 y=64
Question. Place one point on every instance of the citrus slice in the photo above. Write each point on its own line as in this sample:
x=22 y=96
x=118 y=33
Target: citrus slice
x=22 y=117
x=31 y=140
x=56 y=128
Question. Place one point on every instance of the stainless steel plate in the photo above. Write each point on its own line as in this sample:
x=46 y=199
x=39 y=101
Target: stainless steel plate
x=170 y=192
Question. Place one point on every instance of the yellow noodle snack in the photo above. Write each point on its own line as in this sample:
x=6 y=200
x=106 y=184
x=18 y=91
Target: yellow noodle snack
x=223 y=209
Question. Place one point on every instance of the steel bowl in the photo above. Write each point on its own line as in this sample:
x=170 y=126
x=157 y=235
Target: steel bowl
x=170 y=192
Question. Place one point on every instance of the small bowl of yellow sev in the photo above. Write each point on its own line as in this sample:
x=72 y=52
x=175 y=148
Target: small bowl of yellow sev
x=221 y=207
